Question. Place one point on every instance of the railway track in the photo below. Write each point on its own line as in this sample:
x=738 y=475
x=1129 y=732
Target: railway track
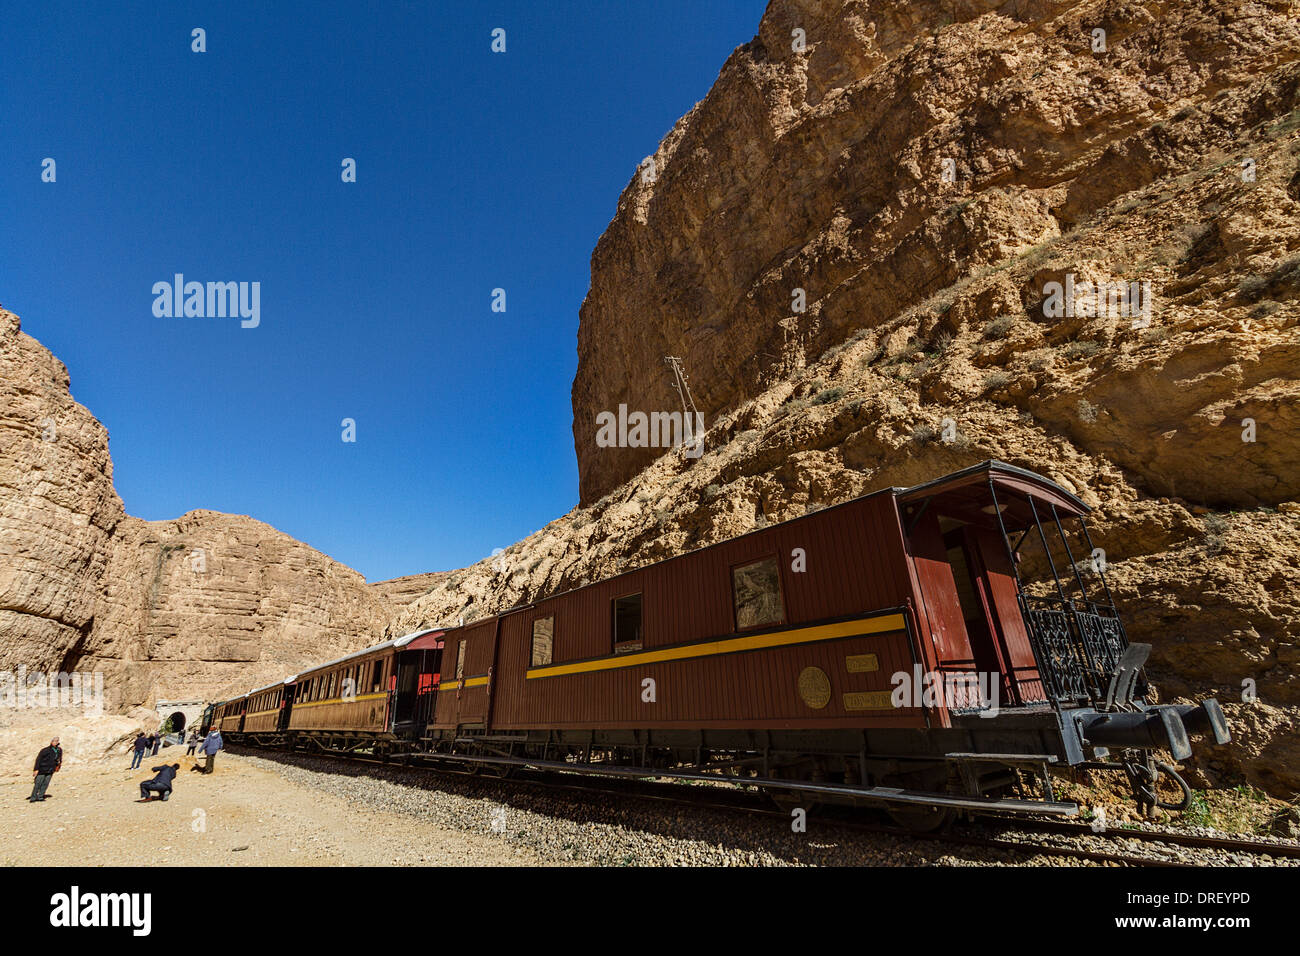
x=1023 y=837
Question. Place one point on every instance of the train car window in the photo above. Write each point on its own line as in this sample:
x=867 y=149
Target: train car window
x=376 y=677
x=627 y=624
x=543 y=641
x=460 y=659
x=756 y=591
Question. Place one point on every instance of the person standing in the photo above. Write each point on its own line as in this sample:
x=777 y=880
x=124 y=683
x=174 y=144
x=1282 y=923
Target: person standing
x=210 y=747
x=157 y=742
x=161 y=784
x=138 y=750
x=194 y=743
x=48 y=762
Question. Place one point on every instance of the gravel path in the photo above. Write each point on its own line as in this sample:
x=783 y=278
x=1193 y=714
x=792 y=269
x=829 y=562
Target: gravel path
x=600 y=829
x=246 y=813
x=318 y=811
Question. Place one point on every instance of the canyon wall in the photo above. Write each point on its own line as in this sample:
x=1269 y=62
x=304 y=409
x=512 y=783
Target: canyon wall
x=916 y=144
x=207 y=604
x=919 y=174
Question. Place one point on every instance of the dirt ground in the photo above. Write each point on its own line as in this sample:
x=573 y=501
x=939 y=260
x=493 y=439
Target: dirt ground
x=240 y=815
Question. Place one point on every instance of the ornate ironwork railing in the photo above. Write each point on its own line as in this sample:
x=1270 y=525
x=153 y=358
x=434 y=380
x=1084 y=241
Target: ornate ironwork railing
x=1077 y=648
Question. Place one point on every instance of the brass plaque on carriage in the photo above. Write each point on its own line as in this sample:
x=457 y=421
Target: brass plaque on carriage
x=862 y=663
x=814 y=687
x=869 y=700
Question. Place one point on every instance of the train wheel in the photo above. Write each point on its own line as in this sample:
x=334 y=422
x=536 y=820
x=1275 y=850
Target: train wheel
x=922 y=819
x=791 y=800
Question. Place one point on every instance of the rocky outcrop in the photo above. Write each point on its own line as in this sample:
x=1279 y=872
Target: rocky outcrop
x=402 y=591
x=213 y=603
x=199 y=606
x=914 y=144
x=58 y=508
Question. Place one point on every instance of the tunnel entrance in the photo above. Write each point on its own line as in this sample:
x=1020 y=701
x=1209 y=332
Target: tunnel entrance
x=178 y=722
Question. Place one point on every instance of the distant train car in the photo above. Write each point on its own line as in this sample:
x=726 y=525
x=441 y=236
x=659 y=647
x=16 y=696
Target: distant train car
x=369 y=694
x=266 y=708
x=228 y=716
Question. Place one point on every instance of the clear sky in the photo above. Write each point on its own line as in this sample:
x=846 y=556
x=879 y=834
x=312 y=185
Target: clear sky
x=475 y=171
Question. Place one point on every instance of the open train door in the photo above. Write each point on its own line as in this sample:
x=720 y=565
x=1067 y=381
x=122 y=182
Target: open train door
x=963 y=534
x=418 y=662
x=286 y=706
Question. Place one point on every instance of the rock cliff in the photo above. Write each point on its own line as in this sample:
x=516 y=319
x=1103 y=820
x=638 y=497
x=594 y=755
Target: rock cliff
x=916 y=144
x=852 y=249
x=198 y=606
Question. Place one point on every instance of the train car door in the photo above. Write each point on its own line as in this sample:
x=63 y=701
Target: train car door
x=475 y=659
x=286 y=707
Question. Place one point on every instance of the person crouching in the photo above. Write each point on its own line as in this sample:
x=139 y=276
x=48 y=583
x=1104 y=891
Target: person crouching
x=161 y=784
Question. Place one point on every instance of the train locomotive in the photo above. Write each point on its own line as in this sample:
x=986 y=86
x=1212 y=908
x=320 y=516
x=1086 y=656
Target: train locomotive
x=904 y=650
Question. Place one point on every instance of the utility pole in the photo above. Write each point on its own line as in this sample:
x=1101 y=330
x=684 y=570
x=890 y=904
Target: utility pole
x=694 y=436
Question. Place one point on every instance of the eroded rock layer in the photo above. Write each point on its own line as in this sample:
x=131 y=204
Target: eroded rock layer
x=914 y=144
x=196 y=607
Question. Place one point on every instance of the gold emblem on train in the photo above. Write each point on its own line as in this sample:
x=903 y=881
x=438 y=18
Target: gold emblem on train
x=814 y=687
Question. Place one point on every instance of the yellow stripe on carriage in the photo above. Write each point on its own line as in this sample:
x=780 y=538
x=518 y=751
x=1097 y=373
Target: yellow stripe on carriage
x=801 y=635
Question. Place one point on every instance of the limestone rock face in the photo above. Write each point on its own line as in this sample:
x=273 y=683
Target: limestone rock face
x=402 y=591
x=914 y=144
x=58 y=508
x=200 y=606
x=213 y=603
x=928 y=341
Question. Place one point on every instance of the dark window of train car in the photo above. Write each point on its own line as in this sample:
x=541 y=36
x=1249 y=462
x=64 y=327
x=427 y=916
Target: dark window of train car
x=756 y=591
x=377 y=677
x=460 y=659
x=543 y=641
x=627 y=624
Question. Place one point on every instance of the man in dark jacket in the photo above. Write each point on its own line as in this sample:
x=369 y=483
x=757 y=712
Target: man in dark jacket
x=161 y=783
x=138 y=749
x=48 y=762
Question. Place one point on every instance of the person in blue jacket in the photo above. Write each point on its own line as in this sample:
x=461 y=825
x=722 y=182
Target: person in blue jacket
x=211 y=744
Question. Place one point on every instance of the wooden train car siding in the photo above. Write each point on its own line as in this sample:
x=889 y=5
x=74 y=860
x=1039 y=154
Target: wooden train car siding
x=232 y=715
x=348 y=695
x=463 y=698
x=838 y=566
x=264 y=706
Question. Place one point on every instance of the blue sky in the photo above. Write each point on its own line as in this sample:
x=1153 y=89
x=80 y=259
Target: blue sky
x=475 y=171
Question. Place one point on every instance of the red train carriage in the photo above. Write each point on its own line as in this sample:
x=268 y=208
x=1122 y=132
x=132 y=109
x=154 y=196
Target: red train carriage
x=908 y=648
x=888 y=642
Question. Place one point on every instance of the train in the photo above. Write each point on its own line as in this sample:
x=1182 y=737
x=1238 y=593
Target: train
x=931 y=650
